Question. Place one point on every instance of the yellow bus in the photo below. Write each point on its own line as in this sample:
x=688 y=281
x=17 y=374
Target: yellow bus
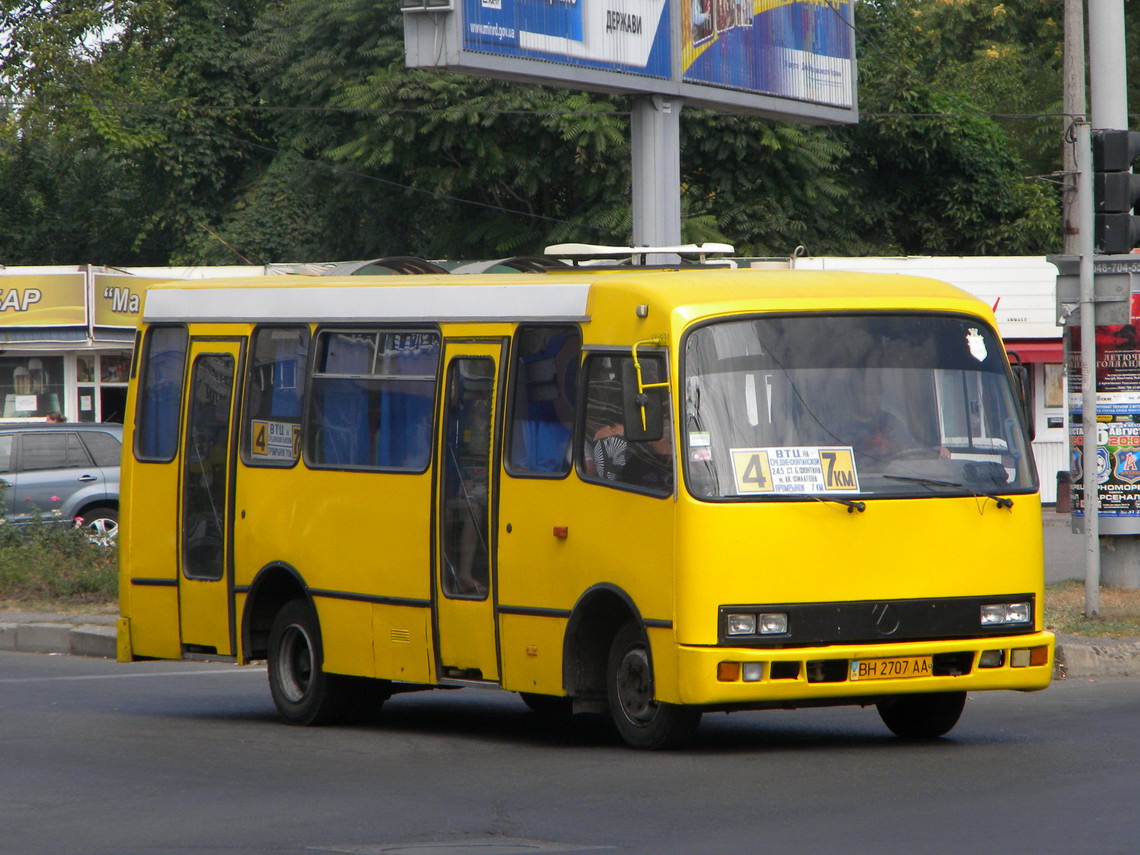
x=647 y=493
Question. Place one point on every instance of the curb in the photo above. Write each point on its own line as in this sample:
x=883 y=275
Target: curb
x=1076 y=657
x=59 y=638
x=1097 y=657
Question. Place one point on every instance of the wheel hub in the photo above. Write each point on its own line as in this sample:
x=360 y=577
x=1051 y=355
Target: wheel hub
x=635 y=686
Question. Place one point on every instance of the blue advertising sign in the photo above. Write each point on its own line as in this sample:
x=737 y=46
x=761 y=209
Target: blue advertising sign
x=799 y=50
x=611 y=35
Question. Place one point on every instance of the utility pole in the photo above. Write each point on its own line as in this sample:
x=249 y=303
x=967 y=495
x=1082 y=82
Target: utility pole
x=1075 y=108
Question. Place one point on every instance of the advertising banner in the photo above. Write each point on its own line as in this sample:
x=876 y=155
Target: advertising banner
x=1117 y=416
x=611 y=35
x=50 y=300
x=796 y=50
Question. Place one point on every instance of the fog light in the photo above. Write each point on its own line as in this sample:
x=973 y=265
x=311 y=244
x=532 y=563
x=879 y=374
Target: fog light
x=744 y=624
x=774 y=624
x=728 y=672
x=753 y=672
x=991 y=659
x=1019 y=658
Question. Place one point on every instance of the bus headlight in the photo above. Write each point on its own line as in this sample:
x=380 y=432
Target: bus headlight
x=775 y=623
x=1006 y=614
x=750 y=623
x=742 y=624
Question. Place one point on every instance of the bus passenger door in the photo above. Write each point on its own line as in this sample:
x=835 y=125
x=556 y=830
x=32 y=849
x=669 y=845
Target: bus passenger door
x=205 y=583
x=467 y=643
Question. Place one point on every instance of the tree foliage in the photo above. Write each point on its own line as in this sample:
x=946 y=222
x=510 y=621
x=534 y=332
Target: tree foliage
x=212 y=131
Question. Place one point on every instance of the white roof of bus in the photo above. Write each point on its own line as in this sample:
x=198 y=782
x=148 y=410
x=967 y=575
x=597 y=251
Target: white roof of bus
x=330 y=302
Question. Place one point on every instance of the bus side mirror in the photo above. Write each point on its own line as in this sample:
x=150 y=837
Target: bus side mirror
x=1024 y=395
x=643 y=403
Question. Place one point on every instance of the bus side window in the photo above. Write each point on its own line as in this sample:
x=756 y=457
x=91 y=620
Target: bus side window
x=373 y=396
x=275 y=392
x=544 y=396
x=160 y=394
x=608 y=457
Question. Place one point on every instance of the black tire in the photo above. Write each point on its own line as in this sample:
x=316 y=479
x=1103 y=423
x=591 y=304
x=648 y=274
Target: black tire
x=302 y=692
x=101 y=525
x=640 y=720
x=549 y=706
x=922 y=716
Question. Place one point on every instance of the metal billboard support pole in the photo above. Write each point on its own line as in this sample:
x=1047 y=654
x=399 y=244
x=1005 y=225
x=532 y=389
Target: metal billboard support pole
x=655 y=144
x=1088 y=369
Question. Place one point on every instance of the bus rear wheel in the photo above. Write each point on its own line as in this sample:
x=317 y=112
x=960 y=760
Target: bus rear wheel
x=302 y=692
x=922 y=716
x=640 y=720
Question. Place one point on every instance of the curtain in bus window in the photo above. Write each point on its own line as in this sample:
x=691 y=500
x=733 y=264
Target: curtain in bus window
x=403 y=440
x=160 y=398
x=288 y=368
x=343 y=405
x=373 y=399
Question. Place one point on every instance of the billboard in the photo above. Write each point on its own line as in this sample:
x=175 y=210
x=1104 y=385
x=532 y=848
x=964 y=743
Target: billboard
x=770 y=57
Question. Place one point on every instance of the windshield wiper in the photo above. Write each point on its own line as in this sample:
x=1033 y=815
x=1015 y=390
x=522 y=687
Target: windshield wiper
x=1002 y=501
x=851 y=506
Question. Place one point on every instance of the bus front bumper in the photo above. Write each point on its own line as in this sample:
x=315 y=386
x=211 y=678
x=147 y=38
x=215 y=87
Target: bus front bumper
x=737 y=677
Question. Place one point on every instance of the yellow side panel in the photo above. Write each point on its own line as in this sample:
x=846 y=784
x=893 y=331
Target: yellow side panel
x=148 y=550
x=666 y=678
x=403 y=643
x=346 y=633
x=612 y=537
x=358 y=532
x=154 y=628
x=531 y=649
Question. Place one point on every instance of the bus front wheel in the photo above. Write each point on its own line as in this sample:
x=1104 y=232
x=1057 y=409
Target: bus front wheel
x=302 y=692
x=640 y=720
x=922 y=716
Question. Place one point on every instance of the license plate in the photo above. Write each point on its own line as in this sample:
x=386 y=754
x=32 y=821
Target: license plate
x=898 y=668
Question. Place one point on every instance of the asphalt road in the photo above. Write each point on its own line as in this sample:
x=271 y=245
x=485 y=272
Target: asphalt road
x=188 y=758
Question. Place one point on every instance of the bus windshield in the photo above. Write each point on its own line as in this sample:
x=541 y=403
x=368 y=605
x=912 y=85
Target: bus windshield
x=885 y=405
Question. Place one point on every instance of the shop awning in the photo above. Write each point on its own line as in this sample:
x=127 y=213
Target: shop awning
x=1036 y=351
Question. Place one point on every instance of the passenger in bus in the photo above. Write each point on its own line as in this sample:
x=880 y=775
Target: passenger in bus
x=468 y=444
x=608 y=453
x=650 y=464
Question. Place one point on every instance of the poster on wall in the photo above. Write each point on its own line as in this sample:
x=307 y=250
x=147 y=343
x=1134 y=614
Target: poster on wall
x=1117 y=416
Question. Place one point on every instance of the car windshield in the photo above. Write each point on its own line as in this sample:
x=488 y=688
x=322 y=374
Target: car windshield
x=850 y=405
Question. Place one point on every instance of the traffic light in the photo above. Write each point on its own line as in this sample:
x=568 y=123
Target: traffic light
x=1116 y=190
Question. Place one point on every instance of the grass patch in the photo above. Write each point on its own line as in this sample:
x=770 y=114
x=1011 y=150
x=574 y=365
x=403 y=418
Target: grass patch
x=1119 y=611
x=55 y=566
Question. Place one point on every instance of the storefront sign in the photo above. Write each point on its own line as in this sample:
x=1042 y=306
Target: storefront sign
x=42 y=300
x=117 y=300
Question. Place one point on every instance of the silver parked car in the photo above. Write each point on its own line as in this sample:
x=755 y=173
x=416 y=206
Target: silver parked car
x=64 y=471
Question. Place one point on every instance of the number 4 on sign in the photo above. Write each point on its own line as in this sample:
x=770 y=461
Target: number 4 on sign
x=260 y=438
x=753 y=472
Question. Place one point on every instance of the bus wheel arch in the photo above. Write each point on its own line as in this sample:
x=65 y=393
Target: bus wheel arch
x=594 y=623
x=274 y=586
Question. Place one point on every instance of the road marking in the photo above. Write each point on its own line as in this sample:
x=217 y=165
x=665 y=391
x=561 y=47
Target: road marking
x=244 y=670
